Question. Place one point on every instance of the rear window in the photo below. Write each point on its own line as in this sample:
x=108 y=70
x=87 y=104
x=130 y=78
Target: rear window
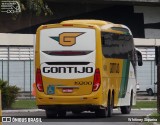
x=67 y=41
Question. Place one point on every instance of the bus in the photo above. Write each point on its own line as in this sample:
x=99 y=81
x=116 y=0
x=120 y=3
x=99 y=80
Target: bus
x=85 y=65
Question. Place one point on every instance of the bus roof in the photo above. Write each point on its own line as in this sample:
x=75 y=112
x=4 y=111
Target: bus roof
x=103 y=25
x=92 y=22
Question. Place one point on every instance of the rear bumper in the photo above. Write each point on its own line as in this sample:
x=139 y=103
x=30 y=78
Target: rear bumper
x=70 y=107
x=50 y=100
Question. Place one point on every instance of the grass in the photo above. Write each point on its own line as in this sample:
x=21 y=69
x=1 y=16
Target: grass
x=145 y=104
x=155 y=116
x=24 y=104
x=31 y=104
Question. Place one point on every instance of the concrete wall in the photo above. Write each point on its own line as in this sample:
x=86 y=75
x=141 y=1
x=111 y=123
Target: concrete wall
x=151 y=20
x=17 y=39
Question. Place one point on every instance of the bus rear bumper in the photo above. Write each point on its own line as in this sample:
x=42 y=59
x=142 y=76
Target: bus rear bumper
x=70 y=107
x=92 y=99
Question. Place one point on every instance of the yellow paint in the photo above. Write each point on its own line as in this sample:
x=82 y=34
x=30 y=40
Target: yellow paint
x=68 y=39
x=91 y=22
x=109 y=81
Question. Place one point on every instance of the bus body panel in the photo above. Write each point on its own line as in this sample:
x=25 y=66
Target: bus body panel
x=131 y=86
x=70 y=74
x=68 y=79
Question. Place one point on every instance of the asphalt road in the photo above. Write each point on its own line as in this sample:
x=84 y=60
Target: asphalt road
x=86 y=118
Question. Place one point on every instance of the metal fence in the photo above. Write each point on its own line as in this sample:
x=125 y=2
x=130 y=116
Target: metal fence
x=147 y=75
x=18 y=72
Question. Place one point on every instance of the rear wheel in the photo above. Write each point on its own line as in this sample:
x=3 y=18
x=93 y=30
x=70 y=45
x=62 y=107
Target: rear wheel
x=51 y=114
x=110 y=107
x=127 y=109
x=76 y=112
x=62 y=114
x=101 y=113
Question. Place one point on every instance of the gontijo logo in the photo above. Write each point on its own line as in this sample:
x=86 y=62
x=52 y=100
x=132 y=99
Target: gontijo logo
x=67 y=38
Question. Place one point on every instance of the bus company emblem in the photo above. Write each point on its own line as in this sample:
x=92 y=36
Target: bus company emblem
x=67 y=38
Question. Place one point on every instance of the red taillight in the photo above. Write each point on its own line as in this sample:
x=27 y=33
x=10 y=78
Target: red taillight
x=39 y=82
x=97 y=80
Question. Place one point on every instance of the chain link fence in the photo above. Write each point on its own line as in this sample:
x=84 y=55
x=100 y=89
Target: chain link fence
x=19 y=73
x=147 y=76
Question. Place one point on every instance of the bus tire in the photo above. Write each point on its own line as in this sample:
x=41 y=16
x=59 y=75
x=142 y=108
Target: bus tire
x=101 y=113
x=51 y=114
x=62 y=114
x=127 y=109
x=76 y=112
x=110 y=107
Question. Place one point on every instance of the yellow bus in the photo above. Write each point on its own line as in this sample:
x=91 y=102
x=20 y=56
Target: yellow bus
x=85 y=65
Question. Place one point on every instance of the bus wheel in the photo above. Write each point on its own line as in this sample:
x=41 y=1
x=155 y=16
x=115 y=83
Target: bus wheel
x=62 y=114
x=110 y=107
x=127 y=109
x=51 y=114
x=76 y=112
x=101 y=113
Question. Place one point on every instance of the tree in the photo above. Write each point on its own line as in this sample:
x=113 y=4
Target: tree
x=35 y=7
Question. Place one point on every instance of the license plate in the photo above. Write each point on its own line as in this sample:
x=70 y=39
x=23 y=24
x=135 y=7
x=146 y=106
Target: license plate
x=67 y=90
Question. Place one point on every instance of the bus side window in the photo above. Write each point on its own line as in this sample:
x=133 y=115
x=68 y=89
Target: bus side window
x=117 y=45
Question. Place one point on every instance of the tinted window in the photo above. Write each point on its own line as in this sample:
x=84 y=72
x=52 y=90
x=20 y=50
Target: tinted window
x=117 y=45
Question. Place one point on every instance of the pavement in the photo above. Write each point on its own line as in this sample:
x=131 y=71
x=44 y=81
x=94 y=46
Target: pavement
x=36 y=110
x=117 y=114
x=140 y=97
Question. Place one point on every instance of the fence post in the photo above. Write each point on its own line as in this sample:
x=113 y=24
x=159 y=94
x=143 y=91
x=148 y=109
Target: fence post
x=154 y=77
x=151 y=74
x=8 y=66
x=30 y=78
x=157 y=59
x=2 y=69
x=0 y=108
x=24 y=76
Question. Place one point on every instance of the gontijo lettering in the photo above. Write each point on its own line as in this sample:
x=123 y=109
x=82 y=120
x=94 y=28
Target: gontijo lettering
x=67 y=69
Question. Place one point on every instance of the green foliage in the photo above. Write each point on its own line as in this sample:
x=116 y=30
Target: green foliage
x=38 y=7
x=8 y=93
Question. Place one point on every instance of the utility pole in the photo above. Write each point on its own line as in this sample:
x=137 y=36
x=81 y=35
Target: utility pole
x=157 y=58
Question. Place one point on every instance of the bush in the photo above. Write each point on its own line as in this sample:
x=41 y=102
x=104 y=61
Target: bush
x=8 y=93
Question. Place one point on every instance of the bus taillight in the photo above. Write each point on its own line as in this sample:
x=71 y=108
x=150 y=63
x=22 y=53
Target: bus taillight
x=97 y=80
x=39 y=82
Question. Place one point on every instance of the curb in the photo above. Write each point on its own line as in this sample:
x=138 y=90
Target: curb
x=22 y=110
x=155 y=123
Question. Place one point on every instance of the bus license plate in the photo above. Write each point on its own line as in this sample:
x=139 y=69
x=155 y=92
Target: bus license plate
x=67 y=90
